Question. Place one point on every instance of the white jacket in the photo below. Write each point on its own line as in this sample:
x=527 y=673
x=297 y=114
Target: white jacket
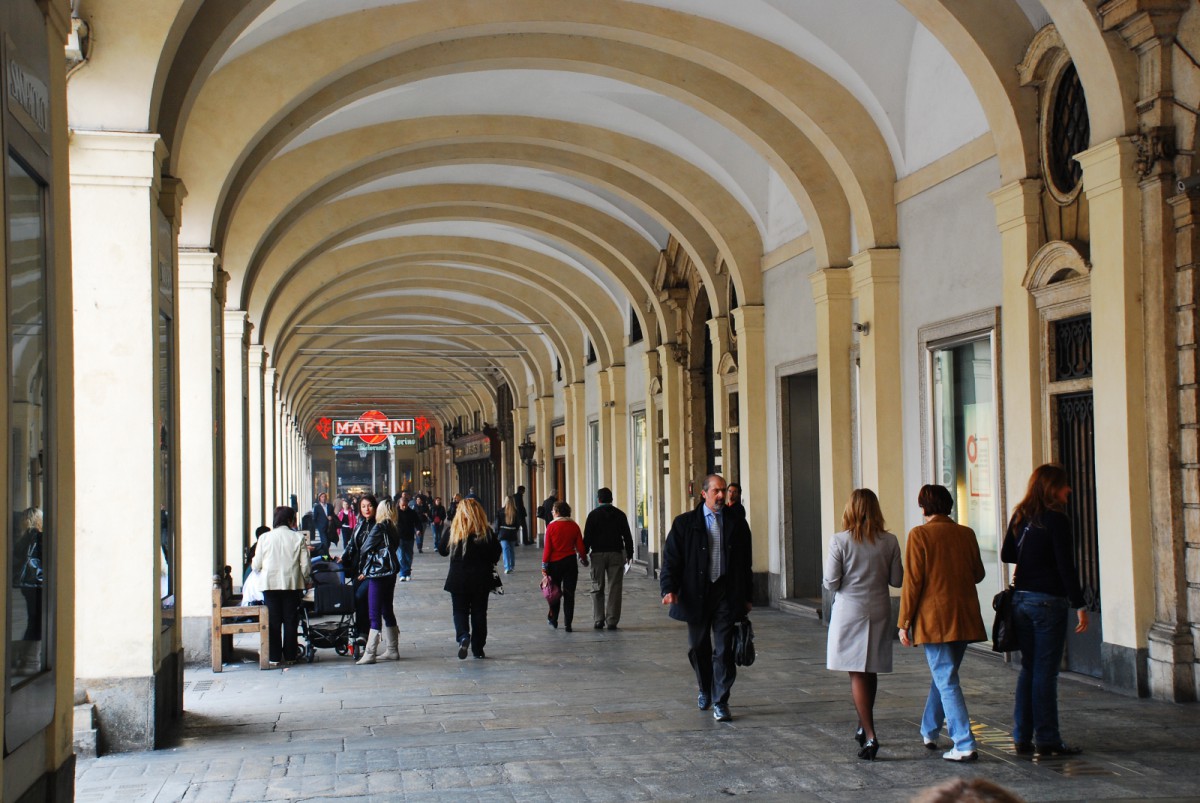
x=282 y=558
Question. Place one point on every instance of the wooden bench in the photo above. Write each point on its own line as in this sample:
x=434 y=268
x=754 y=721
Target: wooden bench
x=225 y=623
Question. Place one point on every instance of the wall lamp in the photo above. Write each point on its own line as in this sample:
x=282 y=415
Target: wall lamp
x=526 y=449
x=862 y=328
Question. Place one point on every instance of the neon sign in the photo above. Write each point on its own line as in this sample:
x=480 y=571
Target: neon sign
x=373 y=427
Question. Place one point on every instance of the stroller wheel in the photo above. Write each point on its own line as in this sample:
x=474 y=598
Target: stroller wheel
x=311 y=653
x=341 y=649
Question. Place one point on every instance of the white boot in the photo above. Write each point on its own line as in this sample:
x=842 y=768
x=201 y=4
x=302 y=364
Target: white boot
x=391 y=644
x=372 y=649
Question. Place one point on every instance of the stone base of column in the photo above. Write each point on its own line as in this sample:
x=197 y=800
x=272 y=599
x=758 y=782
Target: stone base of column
x=1125 y=669
x=138 y=713
x=762 y=590
x=1172 y=664
x=55 y=786
x=197 y=640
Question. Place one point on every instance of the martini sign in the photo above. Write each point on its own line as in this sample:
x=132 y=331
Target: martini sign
x=373 y=427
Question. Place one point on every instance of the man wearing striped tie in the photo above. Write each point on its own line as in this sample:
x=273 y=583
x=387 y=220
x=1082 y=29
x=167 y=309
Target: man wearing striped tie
x=707 y=581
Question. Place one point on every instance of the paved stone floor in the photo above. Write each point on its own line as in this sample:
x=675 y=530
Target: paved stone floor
x=599 y=715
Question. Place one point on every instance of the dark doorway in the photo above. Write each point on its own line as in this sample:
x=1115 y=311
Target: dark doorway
x=802 y=437
x=1077 y=453
x=560 y=478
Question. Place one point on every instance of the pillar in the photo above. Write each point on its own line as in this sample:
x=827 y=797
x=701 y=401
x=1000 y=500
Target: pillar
x=115 y=184
x=676 y=479
x=1122 y=490
x=255 y=358
x=876 y=277
x=614 y=438
x=657 y=471
x=1019 y=219
x=200 y=546
x=749 y=323
x=543 y=409
x=834 y=319
x=237 y=511
x=520 y=422
x=270 y=456
x=576 y=425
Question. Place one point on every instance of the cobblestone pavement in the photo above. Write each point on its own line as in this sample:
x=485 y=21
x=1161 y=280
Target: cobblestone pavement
x=611 y=715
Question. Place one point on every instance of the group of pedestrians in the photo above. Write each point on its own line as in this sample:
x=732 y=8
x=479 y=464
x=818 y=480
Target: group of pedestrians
x=939 y=610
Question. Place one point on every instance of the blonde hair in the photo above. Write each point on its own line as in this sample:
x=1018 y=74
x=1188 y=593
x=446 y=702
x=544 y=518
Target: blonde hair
x=386 y=511
x=33 y=518
x=469 y=522
x=510 y=510
x=862 y=516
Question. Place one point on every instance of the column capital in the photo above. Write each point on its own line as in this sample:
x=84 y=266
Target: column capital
x=1018 y=203
x=170 y=198
x=875 y=266
x=115 y=158
x=269 y=378
x=236 y=323
x=1108 y=166
x=718 y=333
x=749 y=318
x=830 y=284
x=255 y=356
x=197 y=269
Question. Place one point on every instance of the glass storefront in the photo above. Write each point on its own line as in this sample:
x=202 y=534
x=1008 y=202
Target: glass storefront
x=964 y=441
x=31 y=549
x=641 y=495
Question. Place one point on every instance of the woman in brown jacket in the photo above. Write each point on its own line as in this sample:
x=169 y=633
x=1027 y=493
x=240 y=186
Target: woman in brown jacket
x=939 y=610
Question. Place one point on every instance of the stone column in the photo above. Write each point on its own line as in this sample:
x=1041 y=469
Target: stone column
x=237 y=510
x=748 y=322
x=576 y=424
x=676 y=479
x=835 y=317
x=543 y=409
x=114 y=199
x=1019 y=219
x=520 y=422
x=198 y=527
x=1122 y=493
x=718 y=334
x=656 y=473
x=270 y=455
x=255 y=358
x=614 y=439
x=876 y=277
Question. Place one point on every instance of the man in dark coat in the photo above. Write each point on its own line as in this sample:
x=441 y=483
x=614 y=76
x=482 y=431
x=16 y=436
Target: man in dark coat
x=546 y=511
x=522 y=515
x=322 y=515
x=707 y=579
x=607 y=538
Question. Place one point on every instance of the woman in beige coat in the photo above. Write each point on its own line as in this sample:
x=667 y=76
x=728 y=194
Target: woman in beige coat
x=939 y=610
x=864 y=559
x=282 y=559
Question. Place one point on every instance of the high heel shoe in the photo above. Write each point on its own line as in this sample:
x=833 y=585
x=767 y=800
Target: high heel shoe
x=869 y=749
x=860 y=736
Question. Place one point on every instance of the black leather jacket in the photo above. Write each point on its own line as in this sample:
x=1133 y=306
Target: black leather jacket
x=372 y=549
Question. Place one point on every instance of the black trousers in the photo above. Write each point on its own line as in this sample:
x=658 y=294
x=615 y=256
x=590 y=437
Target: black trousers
x=470 y=618
x=710 y=644
x=283 y=611
x=565 y=573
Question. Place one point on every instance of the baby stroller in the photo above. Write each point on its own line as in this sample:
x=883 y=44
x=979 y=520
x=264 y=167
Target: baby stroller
x=332 y=597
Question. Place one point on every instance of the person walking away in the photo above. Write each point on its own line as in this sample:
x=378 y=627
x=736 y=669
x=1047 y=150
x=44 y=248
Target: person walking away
x=564 y=541
x=609 y=542
x=939 y=610
x=437 y=513
x=408 y=524
x=864 y=559
x=473 y=550
x=707 y=580
x=508 y=530
x=377 y=568
x=1040 y=542
x=282 y=559
x=522 y=515
x=546 y=509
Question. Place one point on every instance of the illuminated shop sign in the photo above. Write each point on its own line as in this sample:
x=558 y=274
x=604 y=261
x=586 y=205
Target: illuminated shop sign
x=373 y=427
x=473 y=447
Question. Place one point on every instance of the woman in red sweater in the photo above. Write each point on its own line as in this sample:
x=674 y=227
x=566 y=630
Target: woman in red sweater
x=563 y=542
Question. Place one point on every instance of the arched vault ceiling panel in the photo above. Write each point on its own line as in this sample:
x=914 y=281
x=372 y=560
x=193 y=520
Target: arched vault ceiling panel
x=816 y=106
x=522 y=178
x=626 y=259
x=579 y=98
x=710 y=224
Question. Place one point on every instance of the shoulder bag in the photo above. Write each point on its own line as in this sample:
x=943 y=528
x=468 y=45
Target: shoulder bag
x=743 y=642
x=1004 y=629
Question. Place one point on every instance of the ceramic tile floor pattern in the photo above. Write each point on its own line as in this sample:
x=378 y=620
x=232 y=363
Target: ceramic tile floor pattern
x=598 y=715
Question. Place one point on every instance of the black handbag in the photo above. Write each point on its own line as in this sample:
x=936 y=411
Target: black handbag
x=743 y=642
x=497 y=583
x=1004 y=629
x=31 y=574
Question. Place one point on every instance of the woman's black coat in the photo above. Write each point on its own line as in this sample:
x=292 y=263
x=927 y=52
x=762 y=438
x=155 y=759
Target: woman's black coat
x=471 y=565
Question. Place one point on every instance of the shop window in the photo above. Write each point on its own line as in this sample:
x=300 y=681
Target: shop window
x=31 y=533
x=641 y=495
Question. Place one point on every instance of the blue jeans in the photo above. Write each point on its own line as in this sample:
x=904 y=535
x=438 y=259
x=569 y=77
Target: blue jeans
x=946 y=700
x=1041 y=622
x=404 y=553
x=510 y=562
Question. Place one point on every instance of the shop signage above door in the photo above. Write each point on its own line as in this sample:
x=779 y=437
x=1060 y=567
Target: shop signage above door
x=373 y=427
x=472 y=447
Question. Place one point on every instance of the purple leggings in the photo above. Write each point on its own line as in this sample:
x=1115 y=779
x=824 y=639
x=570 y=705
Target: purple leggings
x=380 y=591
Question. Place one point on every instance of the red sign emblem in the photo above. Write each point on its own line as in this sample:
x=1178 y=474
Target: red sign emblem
x=423 y=426
x=324 y=425
x=373 y=427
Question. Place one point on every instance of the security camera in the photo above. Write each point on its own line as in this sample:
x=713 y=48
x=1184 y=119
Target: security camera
x=1188 y=184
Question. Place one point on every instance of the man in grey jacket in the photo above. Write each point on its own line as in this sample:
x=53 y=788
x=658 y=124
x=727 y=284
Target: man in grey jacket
x=606 y=535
